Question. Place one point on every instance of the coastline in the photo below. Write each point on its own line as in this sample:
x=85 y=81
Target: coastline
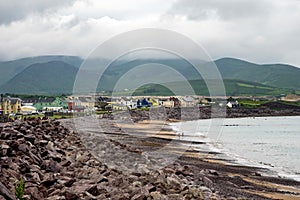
x=234 y=158
x=85 y=162
x=266 y=176
x=251 y=175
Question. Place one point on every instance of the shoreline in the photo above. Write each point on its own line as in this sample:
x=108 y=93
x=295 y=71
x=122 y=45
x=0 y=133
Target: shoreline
x=232 y=158
x=81 y=161
x=263 y=173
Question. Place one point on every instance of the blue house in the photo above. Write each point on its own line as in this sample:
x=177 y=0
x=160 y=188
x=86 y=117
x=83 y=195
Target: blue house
x=143 y=103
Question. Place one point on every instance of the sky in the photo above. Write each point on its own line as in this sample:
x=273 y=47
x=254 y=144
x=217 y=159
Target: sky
x=265 y=31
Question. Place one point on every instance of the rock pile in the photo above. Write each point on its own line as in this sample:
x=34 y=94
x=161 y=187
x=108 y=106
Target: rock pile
x=54 y=164
x=186 y=114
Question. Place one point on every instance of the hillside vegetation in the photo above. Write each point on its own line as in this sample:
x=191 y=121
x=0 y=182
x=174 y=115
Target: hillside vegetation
x=56 y=75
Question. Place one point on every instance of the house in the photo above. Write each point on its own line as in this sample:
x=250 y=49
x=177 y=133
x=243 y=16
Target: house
x=118 y=106
x=130 y=103
x=15 y=104
x=155 y=102
x=52 y=109
x=75 y=105
x=233 y=104
x=41 y=103
x=204 y=101
x=188 y=102
x=80 y=103
x=87 y=102
x=30 y=101
x=10 y=105
x=75 y=108
x=172 y=102
x=143 y=103
x=28 y=110
x=102 y=102
x=121 y=103
x=44 y=102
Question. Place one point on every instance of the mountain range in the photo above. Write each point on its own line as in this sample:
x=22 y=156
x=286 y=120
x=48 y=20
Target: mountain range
x=56 y=75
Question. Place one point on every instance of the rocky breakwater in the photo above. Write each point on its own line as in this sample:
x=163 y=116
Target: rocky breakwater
x=185 y=114
x=54 y=164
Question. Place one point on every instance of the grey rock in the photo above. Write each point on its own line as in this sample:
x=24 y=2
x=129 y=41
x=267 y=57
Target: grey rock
x=70 y=182
x=4 y=149
x=139 y=197
x=6 y=193
x=43 y=143
x=137 y=184
x=34 y=193
x=207 y=181
x=173 y=182
x=157 y=196
x=246 y=187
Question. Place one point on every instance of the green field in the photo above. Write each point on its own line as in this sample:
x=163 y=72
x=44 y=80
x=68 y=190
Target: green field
x=248 y=103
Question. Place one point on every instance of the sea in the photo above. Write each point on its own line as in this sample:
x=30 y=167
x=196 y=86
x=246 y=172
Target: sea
x=266 y=142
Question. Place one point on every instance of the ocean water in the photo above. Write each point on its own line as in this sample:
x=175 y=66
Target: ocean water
x=269 y=142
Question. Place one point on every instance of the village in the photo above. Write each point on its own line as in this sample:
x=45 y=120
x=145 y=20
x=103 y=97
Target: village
x=13 y=107
x=76 y=104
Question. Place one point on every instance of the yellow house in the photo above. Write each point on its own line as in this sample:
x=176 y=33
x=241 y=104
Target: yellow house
x=154 y=102
x=10 y=105
x=82 y=101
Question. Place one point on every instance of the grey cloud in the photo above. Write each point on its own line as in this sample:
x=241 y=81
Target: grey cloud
x=227 y=10
x=263 y=31
x=14 y=10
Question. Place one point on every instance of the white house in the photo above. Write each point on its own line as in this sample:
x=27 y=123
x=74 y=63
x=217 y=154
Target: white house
x=232 y=104
x=130 y=103
x=28 y=110
x=188 y=101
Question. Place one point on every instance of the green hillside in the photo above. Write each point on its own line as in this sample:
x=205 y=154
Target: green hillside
x=232 y=87
x=54 y=77
x=117 y=69
x=9 y=69
x=277 y=75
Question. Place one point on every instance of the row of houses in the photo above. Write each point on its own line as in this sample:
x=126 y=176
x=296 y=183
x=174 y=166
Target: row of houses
x=92 y=103
x=61 y=104
x=124 y=103
x=29 y=105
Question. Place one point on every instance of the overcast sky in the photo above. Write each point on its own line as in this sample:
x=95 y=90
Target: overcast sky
x=264 y=31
